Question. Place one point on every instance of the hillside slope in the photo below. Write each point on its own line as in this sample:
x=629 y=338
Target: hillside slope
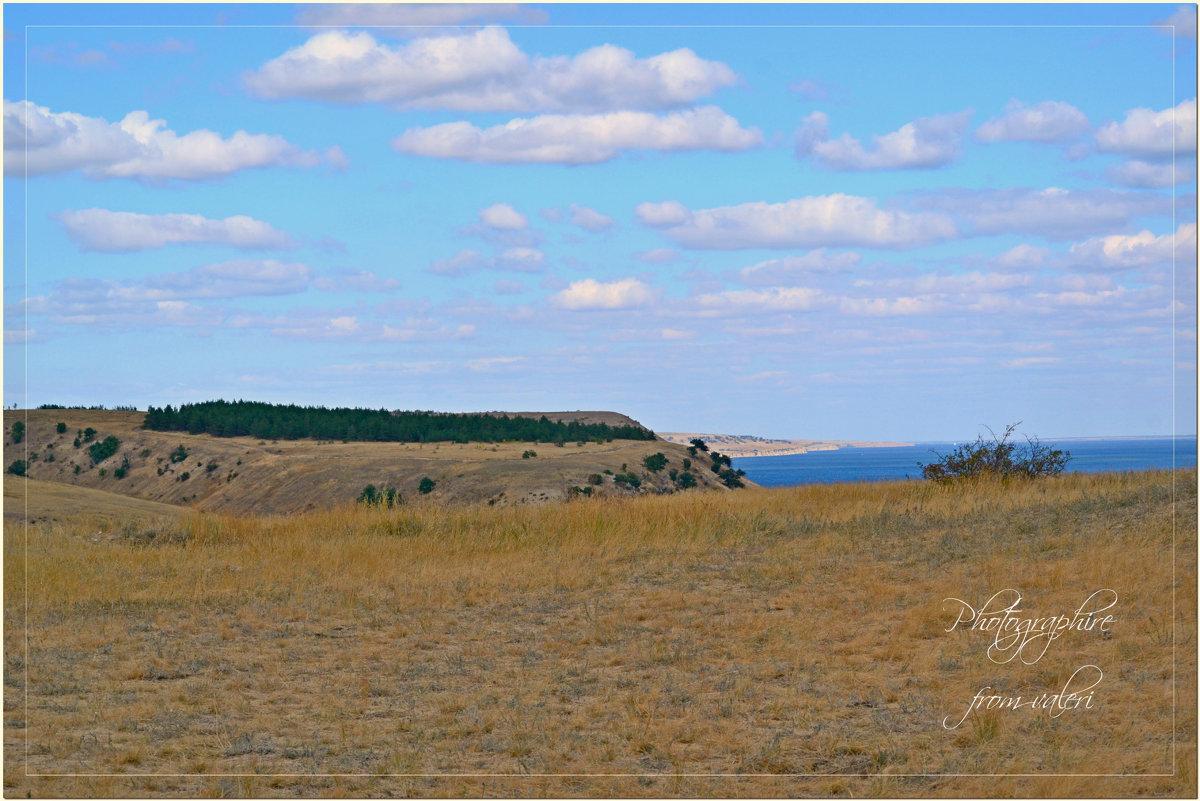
x=246 y=475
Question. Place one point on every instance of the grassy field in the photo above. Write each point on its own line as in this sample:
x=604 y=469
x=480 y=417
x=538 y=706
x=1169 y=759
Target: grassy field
x=753 y=643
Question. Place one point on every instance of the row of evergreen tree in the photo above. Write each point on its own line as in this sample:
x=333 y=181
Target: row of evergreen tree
x=271 y=421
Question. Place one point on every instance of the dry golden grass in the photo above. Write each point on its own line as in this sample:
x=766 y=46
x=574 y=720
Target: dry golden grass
x=757 y=643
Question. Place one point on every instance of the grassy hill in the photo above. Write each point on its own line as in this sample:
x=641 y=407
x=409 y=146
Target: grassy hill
x=758 y=643
x=247 y=475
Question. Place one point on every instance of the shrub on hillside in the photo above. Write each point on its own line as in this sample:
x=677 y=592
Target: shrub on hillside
x=655 y=462
x=18 y=432
x=732 y=478
x=631 y=479
x=102 y=450
x=426 y=486
x=19 y=467
x=379 y=496
x=1000 y=457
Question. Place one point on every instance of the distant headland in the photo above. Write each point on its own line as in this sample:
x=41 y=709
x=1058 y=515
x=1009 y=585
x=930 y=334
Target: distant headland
x=740 y=445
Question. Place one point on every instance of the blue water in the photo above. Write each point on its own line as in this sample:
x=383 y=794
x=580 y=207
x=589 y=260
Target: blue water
x=883 y=464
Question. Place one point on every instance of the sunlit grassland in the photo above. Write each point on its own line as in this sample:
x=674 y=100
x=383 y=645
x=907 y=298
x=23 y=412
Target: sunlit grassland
x=763 y=642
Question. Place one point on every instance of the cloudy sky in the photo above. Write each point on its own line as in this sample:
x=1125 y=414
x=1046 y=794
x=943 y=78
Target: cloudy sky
x=886 y=222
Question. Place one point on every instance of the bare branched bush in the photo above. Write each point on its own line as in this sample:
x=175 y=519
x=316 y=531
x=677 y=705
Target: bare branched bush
x=1000 y=457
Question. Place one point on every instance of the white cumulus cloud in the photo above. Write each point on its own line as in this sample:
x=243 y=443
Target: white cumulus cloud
x=522 y=260
x=579 y=138
x=136 y=147
x=590 y=294
x=1048 y=121
x=1136 y=250
x=1149 y=134
x=123 y=231
x=484 y=71
x=504 y=217
x=590 y=219
x=924 y=143
x=809 y=222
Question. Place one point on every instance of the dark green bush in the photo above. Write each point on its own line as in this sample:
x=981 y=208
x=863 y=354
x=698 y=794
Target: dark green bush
x=17 y=432
x=102 y=450
x=61 y=428
x=426 y=486
x=19 y=468
x=655 y=462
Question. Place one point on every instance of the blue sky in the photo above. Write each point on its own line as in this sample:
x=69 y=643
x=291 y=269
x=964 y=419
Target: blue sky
x=857 y=222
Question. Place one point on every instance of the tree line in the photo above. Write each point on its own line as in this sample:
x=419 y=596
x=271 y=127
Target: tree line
x=275 y=421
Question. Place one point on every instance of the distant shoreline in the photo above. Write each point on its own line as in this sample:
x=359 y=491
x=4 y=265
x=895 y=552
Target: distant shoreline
x=744 y=445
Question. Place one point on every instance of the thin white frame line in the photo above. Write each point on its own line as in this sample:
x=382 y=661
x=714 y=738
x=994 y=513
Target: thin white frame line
x=1174 y=193
x=1174 y=403
x=25 y=353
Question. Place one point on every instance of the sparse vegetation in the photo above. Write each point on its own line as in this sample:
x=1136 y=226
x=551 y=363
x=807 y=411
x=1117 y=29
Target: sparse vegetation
x=89 y=434
x=180 y=454
x=998 y=457
x=529 y=454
